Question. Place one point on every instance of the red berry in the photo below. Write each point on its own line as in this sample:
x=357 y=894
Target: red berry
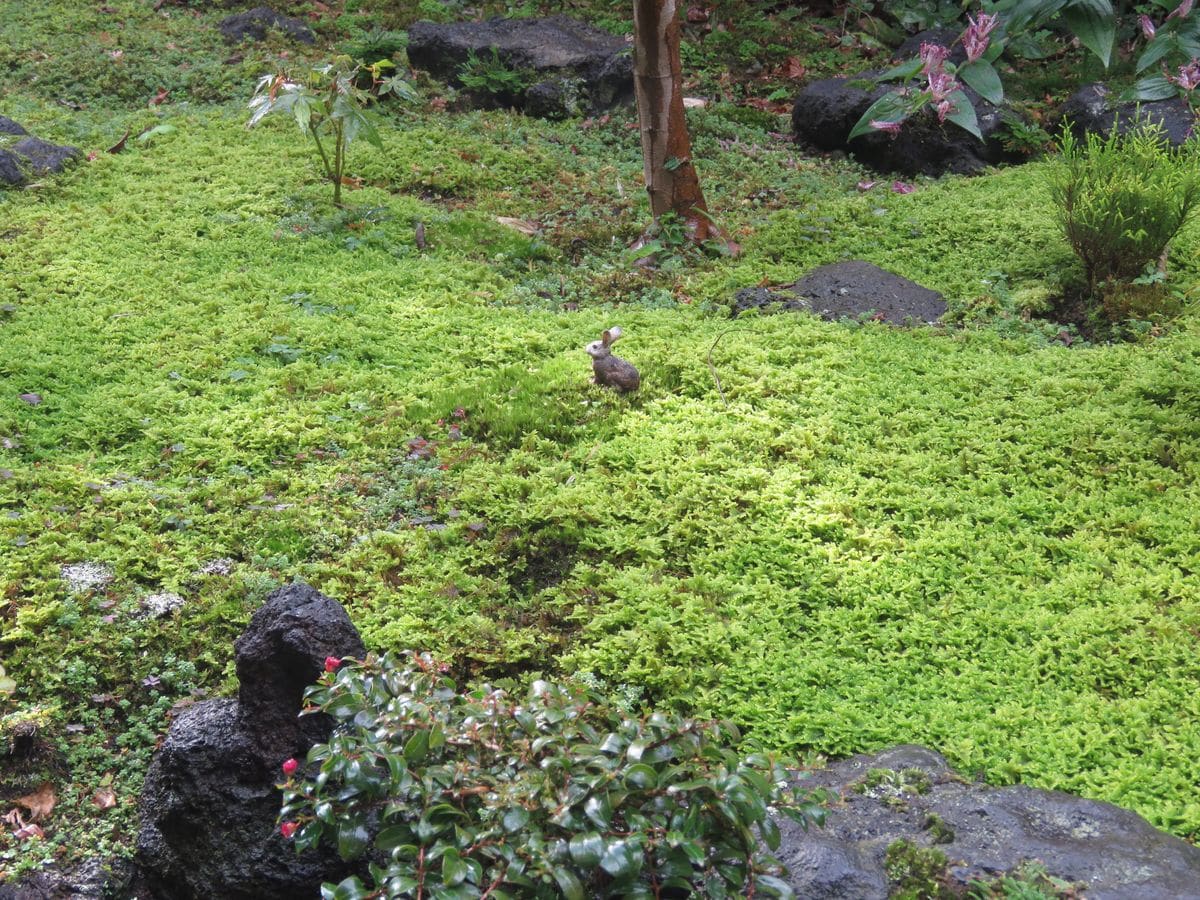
x=331 y=663
x=287 y=829
x=290 y=766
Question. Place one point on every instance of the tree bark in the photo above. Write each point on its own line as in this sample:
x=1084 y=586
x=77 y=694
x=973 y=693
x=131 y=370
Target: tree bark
x=671 y=179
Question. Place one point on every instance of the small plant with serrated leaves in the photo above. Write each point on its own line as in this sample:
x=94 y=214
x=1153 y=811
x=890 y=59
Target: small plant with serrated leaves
x=462 y=794
x=330 y=106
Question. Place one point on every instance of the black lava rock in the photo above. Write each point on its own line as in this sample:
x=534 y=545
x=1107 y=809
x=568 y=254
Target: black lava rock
x=570 y=65
x=253 y=25
x=209 y=803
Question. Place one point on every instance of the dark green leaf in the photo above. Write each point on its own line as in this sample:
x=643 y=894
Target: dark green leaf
x=1095 y=31
x=352 y=840
x=983 y=78
x=569 y=884
x=454 y=870
x=1162 y=44
x=598 y=809
x=641 y=776
x=775 y=887
x=391 y=838
x=964 y=114
x=902 y=72
x=515 y=819
x=889 y=108
x=622 y=859
x=1156 y=87
x=770 y=833
x=587 y=848
x=416 y=747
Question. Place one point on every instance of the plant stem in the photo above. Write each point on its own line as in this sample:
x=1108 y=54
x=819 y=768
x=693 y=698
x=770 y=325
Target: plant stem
x=325 y=163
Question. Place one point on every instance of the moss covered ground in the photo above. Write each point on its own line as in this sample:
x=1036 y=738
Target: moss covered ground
x=976 y=538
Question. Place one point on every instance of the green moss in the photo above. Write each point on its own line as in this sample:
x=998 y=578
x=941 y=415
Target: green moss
x=865 y=537
x=917 y=873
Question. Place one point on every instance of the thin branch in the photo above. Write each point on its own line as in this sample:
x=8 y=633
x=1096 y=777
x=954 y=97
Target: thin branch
x=713 y=369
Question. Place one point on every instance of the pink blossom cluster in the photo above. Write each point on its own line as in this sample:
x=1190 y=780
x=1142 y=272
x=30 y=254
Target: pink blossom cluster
x=1182 y=10
x=941 y=83
x=976 y=37
x=1189 y=75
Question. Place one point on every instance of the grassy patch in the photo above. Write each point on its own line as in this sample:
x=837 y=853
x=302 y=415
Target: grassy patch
x=965 y=538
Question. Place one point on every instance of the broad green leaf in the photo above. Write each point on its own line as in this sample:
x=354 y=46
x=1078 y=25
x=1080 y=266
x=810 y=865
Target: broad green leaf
x=621 y=859
x=983 y=78
x=350 y=889
x=569 y=884
x=1156 y=87
x=1095 y=31
x=775 y=887
x=598 y=809
x=888 y=108
x=1162 y=44
x=641 y=776
x=770 y=833
x=964 y=114
x=1032 y=12
x=454 y=870
x=902 y=72
x=302 y=111
x=416 y=746
x=352 y=840
x=391 y=838
x=515 y=819
x=587 y=848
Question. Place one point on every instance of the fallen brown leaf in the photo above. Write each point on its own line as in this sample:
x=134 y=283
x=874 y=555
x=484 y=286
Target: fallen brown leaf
x=28 y=831
x=40 y=803
x=525 y=226
x=119 y=145
x=104 y=798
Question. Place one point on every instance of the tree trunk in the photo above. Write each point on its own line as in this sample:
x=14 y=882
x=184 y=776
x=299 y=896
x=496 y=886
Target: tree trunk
x=671 y=178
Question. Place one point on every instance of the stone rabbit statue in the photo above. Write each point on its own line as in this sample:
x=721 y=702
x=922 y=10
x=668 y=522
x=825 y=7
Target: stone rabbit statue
x=612 y=371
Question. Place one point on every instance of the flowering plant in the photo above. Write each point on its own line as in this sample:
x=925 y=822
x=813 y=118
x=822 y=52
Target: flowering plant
x=985 y=38
x=941 y=88
x=560 y=794
x=1174 y=45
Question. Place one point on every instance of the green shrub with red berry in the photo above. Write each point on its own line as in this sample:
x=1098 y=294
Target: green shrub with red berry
x=468 y=794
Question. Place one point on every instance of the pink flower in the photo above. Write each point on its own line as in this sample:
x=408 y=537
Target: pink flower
x=933 y=56
x=1182 y=10
x=1189 y=75
x=332 y=663
x=943 y=109
x=290 y=766
x=1147 y=26
x=941 y=85
x=901 y=187
x=892 y=128
x=975 y=38
x=287 y=829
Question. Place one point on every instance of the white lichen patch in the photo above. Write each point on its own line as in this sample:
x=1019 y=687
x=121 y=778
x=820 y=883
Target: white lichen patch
x=222 y=566
x=161 y=604
x=86 y=576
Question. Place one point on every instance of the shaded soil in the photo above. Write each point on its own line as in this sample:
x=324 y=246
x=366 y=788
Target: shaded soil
x=850 y=290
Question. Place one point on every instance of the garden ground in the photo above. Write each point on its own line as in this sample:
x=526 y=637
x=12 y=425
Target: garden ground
x=976 y=538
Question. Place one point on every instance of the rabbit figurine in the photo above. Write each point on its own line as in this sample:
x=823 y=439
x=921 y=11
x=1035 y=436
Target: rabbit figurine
x=612 y=371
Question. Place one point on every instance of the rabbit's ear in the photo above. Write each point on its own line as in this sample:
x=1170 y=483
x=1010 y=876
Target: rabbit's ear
x=612 y=335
